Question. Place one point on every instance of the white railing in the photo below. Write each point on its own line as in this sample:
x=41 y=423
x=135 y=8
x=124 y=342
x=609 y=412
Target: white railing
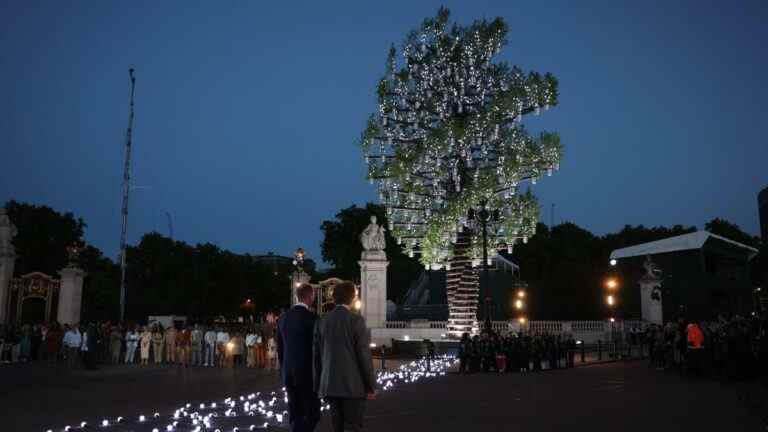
x=590 y=331
x=397 y=324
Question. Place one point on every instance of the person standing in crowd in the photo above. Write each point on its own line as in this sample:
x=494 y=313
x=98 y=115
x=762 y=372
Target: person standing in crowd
x=145 y=341
x=183 y=343
x=465 y=351
x=197 y=346
x=272 y=354
x=294 y=349
x=695 y=338
x=238 y=348
x=53 y=343
x=210 y=346
x=342 y=363
x=429 y=353
x=250 y=348
x=157 y=343
x=261 y=350
x=38 y=333
x=170 y=344
x=115 y=344
x=131 y=342
x=72 y=341
x=90 y=346
x=222 y=339
x=84 y=348
x=25 y=343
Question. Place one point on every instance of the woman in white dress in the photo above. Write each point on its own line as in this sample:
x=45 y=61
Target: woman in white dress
x=272 y=353
x=145 y=340
x=131 y=340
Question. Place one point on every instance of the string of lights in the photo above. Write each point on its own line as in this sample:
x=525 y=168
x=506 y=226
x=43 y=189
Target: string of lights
x=255 y=411
x=448 y=139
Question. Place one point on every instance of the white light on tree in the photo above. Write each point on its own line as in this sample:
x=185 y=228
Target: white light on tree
x=448 y=138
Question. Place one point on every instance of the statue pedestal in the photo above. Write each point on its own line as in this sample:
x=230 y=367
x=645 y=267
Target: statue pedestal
x=7 y=261
x=651 y=309
x=70 y=295
x=373 y=288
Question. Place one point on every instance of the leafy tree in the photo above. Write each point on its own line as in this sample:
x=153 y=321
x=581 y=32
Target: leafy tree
x=731 y=231
x=447 y=138
x=201 y=282
x=341 y=247
x=43 y=237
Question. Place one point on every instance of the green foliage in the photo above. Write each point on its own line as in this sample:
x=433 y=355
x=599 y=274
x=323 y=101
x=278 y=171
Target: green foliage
x=202 y=281
x=43 y=237
x=731 y=231
x=565 y=267
x=448 y=136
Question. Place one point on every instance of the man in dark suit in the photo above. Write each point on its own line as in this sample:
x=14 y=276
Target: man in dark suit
x=343 y=368
x=294 y=349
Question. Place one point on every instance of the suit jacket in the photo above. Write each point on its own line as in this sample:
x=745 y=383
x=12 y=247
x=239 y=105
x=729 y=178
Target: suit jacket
x=294 y=347
x=342 y=356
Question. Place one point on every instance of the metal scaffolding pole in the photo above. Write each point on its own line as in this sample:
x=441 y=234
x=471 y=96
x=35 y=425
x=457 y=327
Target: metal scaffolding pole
x=126 y=191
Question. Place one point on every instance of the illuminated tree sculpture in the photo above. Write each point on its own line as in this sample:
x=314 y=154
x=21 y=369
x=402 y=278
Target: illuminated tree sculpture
x=448 y=141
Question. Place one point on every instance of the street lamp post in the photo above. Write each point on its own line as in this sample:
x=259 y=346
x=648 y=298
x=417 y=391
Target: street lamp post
x=484 y=216
x=298 y=262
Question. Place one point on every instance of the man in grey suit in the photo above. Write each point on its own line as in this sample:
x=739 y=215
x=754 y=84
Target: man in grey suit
x=343 y=369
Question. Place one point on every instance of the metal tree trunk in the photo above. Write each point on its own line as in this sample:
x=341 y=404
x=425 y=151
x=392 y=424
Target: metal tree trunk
x=463 y=286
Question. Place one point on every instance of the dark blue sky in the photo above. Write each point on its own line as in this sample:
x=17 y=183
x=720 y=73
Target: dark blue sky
x=247 y=115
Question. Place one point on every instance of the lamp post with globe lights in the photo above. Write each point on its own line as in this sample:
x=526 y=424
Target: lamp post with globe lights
x=299 y=276
x=484 y=216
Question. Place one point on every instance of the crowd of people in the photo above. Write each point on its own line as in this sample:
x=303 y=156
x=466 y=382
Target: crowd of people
x=735 y=348
x=219 y=345
x=515 y=352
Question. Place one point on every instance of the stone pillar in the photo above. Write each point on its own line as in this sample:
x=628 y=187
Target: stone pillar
x=7 y=262
x=70 y=295
x=297 y=278
x=373 y=287
x=650 y=307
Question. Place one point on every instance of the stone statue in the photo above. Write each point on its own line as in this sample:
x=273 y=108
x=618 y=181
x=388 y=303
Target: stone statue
x=652 y=270
x=373 y=237
x=73 y=255
x=7 y=231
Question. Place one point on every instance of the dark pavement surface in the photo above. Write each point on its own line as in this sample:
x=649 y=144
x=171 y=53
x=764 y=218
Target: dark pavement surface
x=606 y=397
x=37 y=398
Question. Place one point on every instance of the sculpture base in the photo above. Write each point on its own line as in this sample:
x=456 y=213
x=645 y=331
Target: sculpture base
x=373 y=255
x=650 y=308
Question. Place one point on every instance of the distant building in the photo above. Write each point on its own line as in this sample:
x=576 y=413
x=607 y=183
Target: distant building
x=703 y=275
x=762 y=202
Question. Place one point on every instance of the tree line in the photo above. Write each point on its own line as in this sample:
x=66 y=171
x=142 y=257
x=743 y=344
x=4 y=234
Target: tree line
x=562 y=265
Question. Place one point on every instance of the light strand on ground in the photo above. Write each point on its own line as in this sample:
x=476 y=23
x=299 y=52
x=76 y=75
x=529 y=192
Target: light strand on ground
x=250 y=412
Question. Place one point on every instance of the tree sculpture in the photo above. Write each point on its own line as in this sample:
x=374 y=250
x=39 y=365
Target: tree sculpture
x=448 y=141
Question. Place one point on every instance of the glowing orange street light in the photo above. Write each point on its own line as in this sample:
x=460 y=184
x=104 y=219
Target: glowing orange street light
x=521 y=320
x=610 y=300
x=518 y=304
x=521 y=294
x=611 y=283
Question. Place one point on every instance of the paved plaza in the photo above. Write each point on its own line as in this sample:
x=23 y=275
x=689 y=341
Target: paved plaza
x=605 y=397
